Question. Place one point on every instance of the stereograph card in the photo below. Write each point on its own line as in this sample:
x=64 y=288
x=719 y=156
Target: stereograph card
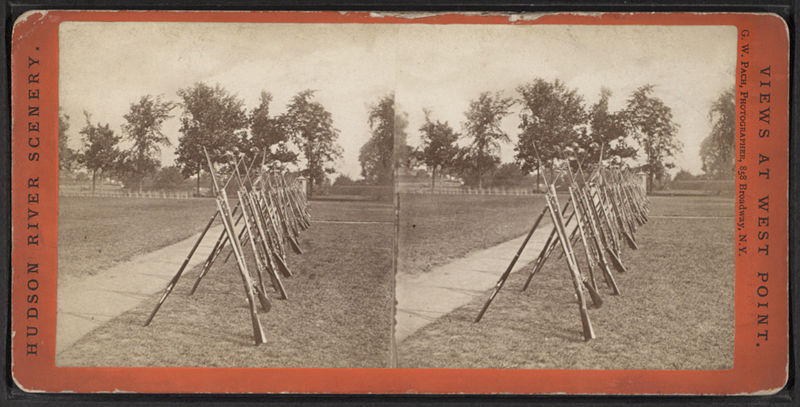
x=425 y=203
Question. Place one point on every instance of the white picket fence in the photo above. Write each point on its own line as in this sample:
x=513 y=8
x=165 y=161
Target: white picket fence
x=125 y=194
x=472 y=191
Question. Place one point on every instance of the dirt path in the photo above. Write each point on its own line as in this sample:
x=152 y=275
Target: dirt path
x=424 y=297
x=86 y=303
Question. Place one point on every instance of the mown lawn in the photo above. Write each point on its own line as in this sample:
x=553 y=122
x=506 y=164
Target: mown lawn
x=338 y=313
x=352 y=211
x=692 y=206
x=435 y=229
x=675 y=312
x=93 y=233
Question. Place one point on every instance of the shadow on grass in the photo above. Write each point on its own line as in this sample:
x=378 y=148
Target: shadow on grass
x=675 y=311
x=338 y=313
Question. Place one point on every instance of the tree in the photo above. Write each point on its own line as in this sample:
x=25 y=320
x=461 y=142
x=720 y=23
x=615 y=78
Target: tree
x=684 y=175
x=466 y=165
x=650 y=121
x=343 y=181
x=66 y=155
x=211 y=118
x=168 y=178
x=371 y=165
x=311 y=127
x=143 y=130
x=377 y=154
x=483 y=128
x=268 y=135
x=717 y=149
x=508 y=174
x=438 y=146
x=403 y=153
x=100 y=148
x=606 y=136
x=550 y=120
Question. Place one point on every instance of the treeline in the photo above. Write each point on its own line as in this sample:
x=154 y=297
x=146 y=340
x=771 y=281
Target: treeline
x=555 y=124
x=213 y=119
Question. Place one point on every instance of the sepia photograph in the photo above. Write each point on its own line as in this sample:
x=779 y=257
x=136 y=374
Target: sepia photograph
x=567 y=197
x=225 y=195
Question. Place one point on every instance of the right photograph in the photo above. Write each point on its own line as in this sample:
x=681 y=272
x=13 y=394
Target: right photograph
x=566 y=196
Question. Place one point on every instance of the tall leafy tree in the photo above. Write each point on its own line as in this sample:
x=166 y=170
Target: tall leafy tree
x=66 y=155
x=371 y=167
x=168 y=178
x=403 y=153
x=717 y=149
x=439 y=149
x=142 y=129
x=650 y=121
x=551 y=119
x=607 y=135
x=268 y=135
x=377 y=154
x=100 y=148
x=482 y=128
x=508 y=174
x=310 y=126
x=467 y=164
x=212 y=118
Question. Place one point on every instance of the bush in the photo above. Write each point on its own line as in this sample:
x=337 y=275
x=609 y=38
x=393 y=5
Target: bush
x=684 y=175
x=343 y=180
x=508 y=175
x=168 y=178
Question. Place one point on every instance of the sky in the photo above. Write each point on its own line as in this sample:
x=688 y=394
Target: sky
x=104 y=67
x=443 y=68
x=107 y=66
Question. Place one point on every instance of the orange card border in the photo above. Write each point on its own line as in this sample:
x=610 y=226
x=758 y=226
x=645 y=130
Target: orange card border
x=760 y=367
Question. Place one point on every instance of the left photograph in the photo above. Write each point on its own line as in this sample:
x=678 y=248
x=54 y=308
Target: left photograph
x=225 y=195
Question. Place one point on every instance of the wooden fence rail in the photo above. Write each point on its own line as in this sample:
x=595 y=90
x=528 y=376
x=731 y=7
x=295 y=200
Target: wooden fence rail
x=472 y=191
x=124 y=194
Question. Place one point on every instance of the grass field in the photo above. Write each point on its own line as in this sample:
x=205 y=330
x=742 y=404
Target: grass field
x=338 y=313
x=675 y=312
x=692 y=206
x=435 y=229
x=93 y=233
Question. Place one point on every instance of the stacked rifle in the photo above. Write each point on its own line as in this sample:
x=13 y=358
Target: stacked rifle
x=269 y=214
x=602 y=211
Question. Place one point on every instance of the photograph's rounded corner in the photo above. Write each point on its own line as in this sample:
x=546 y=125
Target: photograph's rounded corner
x=781 y=20
x=782 y=382
x=17 y=382
x=773 y=391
